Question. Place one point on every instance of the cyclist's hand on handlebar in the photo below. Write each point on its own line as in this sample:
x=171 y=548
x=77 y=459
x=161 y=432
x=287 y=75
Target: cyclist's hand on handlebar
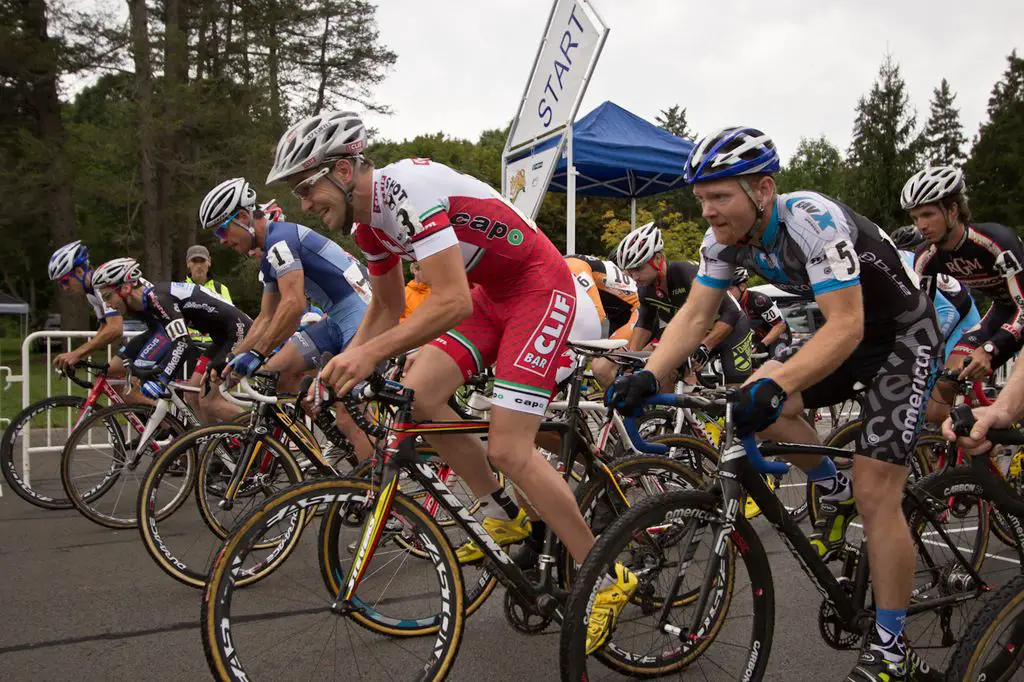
x=346 y=370
x=247 y=363
x=985 y=418
x=66 y=361
x=628 y=392
x=977 y=366
x=757 y=406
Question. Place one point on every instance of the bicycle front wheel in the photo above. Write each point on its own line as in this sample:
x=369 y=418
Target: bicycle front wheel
x=102 y=466
x=992 y=649
x=293 y=627
x=43 y=426
x=668 y=542
x=184 y=543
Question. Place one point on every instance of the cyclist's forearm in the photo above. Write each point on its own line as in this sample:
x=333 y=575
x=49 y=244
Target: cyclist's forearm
x=680 y=338
x=253 y=336
x=378 y=319
x=774 y=334
x=286 y=320
x=107 y=334
x=718 y=333
x=1011 y=398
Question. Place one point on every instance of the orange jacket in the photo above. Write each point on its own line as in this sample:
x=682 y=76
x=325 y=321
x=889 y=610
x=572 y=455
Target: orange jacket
x=414 y=295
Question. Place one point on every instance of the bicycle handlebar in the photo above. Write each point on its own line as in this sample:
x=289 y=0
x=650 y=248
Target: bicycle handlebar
x=253 y=394
x=225 y=392
x=963 y=420
x=69 y=373
x=749 y=445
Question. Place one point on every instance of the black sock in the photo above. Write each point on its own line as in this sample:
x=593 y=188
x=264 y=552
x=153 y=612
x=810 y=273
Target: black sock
x=506 y=503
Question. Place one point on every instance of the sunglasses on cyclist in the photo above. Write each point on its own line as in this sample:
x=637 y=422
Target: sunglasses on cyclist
x=221 y=231
x=304 y=188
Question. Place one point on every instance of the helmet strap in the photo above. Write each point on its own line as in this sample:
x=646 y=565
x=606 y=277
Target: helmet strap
x=758 y=211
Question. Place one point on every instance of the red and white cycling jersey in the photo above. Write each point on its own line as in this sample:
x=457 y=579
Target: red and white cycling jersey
x=421 y=207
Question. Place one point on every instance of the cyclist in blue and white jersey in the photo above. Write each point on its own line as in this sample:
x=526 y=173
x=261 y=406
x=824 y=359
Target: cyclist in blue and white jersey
x=880 y=330
x=296 y=262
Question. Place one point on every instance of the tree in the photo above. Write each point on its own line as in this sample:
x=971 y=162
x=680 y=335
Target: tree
x=682 y=237
x=995 y=171
x=816 y=165
x=673 y=120
x=884 y=150
x=943 y=138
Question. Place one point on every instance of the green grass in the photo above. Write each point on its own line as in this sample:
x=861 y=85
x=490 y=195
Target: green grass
x=10 y=396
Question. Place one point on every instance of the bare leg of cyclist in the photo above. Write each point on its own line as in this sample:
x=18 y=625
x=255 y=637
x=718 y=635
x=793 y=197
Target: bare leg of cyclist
x=290 y=363
x=214 y=408
x=434 y=377
x=511 y=449
x=878 y=488
x=356 y=436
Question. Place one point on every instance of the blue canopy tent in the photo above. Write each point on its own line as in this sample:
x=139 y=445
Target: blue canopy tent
x=618 y=154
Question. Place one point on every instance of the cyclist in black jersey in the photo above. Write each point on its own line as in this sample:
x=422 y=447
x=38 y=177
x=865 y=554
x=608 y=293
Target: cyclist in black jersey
x=664 y=288
x=880 y=330
x=169 y=309
x=771 y=331
x=987 y=257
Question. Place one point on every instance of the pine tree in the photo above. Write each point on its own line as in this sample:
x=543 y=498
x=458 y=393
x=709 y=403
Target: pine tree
x=673 y=120
x=885 y=147
x=816 y=165
x=995 y=171
x=943 y=138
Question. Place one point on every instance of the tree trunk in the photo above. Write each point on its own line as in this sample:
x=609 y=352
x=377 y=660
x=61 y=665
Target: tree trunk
x=147 y=138
x=324 y=71
x=44 y=102
x=274 y=68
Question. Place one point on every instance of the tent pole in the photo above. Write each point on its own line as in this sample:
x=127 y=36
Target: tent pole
x=570 y=190
x=632 y=213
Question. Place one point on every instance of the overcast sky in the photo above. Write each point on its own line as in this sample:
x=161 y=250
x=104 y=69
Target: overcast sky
x=790 y=67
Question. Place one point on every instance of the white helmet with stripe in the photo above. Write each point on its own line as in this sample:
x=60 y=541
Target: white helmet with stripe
x=315 y=140
x=221 y=202
x=116 y=272
x=639 y=246
x=931 y=185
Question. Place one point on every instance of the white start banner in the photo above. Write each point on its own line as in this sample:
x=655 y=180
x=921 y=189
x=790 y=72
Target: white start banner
x=527 y=177
x=570 y=48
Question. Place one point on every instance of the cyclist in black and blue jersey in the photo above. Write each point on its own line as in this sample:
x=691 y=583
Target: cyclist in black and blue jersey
x=880 y=330
x=295 y=262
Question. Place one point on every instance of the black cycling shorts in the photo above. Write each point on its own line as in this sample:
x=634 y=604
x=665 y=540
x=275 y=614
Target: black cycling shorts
x=734 y=353
x=899 y=373
x=997 y=315
x=149 y=350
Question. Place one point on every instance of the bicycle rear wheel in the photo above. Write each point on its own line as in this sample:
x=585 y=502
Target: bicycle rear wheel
x=102 y=468
x=44 y=424
x=290 y=628
x=185 y=542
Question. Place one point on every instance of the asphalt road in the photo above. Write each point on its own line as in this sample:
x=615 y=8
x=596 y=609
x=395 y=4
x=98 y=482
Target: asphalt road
x=81 y=602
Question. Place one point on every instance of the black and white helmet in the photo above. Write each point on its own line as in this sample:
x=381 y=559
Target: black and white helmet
x=930 y=185
x=67 y=258
x=639 y=246
x=221 y=202
x=116 y=272
x=740 y=276
x=314 y=140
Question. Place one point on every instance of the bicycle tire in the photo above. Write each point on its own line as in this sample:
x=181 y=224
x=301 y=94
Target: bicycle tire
x=981 y=635
x=179 y=564
x=228 y=653
x=85 y=501
x=8 y=452
x=744 y=547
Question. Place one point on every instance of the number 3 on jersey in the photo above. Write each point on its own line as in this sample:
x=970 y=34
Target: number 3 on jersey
x=844 y=263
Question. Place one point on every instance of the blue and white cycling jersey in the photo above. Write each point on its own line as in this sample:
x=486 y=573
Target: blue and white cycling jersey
x=951 y=324
x=332 y=277
x=812 y=245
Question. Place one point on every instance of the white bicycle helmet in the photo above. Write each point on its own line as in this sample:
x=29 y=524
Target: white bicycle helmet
x=314 y=140
x=67 y=258
x=639 y=246
x=930 y=185
x=116 y=272
x=221 y=202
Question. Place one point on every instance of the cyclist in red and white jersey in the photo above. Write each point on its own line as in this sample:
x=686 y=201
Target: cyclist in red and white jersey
x=517 y=318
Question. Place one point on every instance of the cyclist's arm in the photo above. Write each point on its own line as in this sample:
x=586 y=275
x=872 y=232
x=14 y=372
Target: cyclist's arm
x=1011 y=398
x=385 y=308
x=686 y=330
x=639 y=338
x=268 y=304
x=831 y=345
x=448 y=303
x=774 y=333
x=110 y=331
x=287 y=313
x=1007 y=337
x=729 y=313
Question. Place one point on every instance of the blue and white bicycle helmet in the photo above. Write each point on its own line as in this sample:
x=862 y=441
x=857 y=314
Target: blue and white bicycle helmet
x=67 y=258
x=731 y=152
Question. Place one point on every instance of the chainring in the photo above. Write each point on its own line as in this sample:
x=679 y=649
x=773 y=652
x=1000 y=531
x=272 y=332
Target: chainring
x=832 y=631
x=522 y=619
